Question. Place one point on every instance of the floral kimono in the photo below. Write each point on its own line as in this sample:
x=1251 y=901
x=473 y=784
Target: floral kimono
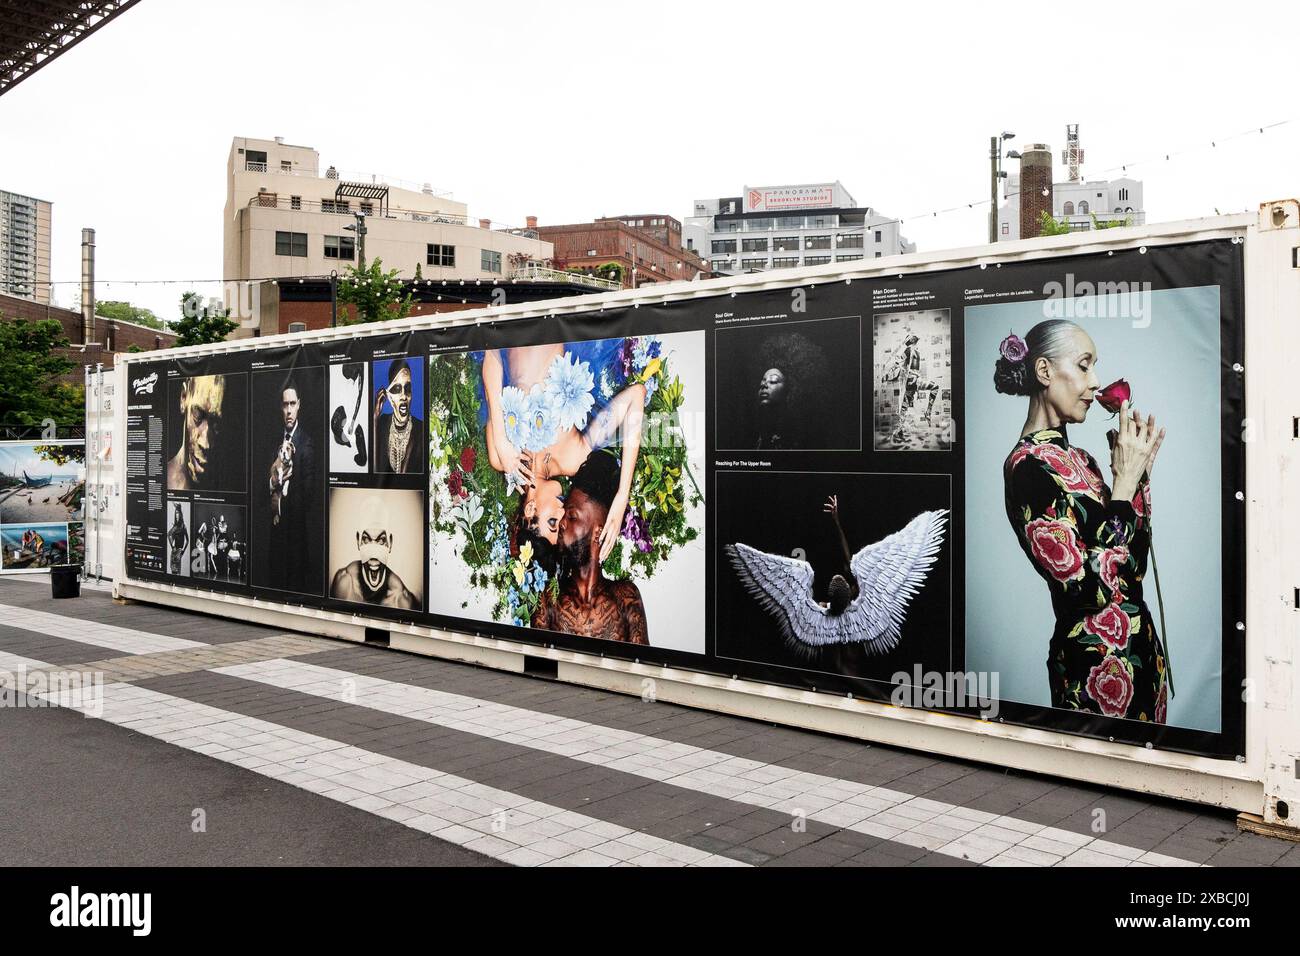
x=1105 y=656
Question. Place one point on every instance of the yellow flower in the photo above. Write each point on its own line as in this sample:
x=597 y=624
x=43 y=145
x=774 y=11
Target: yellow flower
x=519 y=573
x=652 y=369
x=526 y=553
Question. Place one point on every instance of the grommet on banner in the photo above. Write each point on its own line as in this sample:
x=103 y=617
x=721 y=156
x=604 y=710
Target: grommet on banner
x=1240 y=496
x=984 y=265
x=1238 y=367
x=1241 y=625
x=1142 y=250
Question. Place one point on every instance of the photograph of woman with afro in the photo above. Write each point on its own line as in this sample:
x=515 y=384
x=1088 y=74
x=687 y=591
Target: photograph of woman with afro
x=791 y=386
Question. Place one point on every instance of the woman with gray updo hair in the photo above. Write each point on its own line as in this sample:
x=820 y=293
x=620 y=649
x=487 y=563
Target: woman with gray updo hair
x=1087 y=540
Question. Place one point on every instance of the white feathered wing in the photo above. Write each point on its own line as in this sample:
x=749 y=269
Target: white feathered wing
x=889 y=572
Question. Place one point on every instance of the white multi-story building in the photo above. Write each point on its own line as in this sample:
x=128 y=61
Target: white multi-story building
x=25 y=247
x=285 y=218
x=779 y=227
x=1076 y=202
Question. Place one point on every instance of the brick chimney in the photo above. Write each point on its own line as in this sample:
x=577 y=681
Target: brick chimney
x=485 y=223
x=532 y=222
x=1035 y=189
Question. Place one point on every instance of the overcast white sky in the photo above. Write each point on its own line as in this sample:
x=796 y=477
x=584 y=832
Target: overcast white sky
x=569 y=110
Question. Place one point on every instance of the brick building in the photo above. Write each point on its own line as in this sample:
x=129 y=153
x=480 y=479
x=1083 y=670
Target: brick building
x=107 y=336
x=648 y=247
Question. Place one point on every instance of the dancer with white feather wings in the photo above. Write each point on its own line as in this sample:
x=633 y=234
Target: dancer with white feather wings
x=866 y=602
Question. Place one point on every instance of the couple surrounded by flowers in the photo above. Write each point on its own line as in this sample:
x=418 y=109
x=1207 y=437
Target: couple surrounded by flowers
x=1088 y=541
x=543 y=423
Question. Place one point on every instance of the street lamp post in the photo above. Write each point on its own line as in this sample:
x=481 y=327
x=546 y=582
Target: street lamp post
x=995 y=173
x=360 y=230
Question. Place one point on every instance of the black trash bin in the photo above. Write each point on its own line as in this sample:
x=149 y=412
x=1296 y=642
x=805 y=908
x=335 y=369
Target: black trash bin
x=65 y=581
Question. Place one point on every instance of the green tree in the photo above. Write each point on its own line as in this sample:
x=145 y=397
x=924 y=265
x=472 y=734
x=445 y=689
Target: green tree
x=30 y=390
x=126 y=312
x=611 y=270
x=200 y=324
x=375 y=295
x=1047 y=226
x=1110 y=223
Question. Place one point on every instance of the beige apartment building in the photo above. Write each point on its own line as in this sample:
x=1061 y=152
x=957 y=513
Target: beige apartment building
x=286 y=218
x=25 y=247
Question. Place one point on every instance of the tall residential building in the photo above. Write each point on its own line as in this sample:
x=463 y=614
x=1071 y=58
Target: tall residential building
x=25 y=247
x=648 y=248
x=778 y=227
x=285 y=218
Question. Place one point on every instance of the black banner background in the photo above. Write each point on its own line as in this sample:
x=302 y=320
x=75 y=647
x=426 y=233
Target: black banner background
x=877 y=488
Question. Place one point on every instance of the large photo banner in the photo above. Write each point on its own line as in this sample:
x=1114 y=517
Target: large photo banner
x=1004 y=492
x=42 y=505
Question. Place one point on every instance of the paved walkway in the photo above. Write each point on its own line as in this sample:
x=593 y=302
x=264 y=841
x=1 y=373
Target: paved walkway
x=426 y=760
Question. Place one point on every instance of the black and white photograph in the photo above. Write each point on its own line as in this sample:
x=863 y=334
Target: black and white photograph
x=349 y=418
x=288 y=481
x=206 y=439
x=219 y=542
x=790 y=385
x=912 y=381
x=178 y=537
x=376 y=547
x=847 y=574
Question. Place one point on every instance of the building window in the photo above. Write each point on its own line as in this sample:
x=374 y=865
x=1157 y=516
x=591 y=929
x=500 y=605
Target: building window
x=784 y=262
x=728 y=225
x=853 y=241
x=334 y=205
x=723 y=265
x=490 y=261
x=1006 y=230
x=816 y=260
x=367 y=209
x=340 y=247
x=758 y=225
x=440 y=255
x=847 y=258
x=748 y=264
x=785 y=244
x=789 y=222
x=297 y=326
x=291 y=244
x=1083 y=208
x=295 y=202
x=286 y=166
x=877 y=235
x=753 y=245
x=817 y=242
x=878 y=255
x=255 y=161
x=1123 y=194
x=1069 y=209
x=724 y=245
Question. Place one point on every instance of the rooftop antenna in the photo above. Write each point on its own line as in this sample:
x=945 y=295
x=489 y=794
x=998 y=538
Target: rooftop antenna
x=1073 y=153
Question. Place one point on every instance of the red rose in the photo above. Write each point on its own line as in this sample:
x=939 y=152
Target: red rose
x=1109 y=563
x=1066 y=468
x=1111 y=624
x=454 y=483
x=467 y=460
x=1111 y=686
x=1114 y=395
x=1055 y=547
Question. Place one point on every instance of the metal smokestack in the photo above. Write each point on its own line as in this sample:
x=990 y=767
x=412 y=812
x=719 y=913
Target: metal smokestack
x=87 y=286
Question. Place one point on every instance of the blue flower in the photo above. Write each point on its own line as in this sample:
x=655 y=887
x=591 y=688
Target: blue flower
x=514 y=409
x=645 y=351
x=542 y=424
x=568 y=386
x=512 y=599
x=651 y=386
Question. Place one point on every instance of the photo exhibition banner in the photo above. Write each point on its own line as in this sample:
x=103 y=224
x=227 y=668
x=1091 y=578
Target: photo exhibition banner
x=42 y=504
x=1008 y=493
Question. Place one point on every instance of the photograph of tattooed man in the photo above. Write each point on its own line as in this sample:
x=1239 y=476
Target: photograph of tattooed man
x=588 y=603
x=206 y=430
